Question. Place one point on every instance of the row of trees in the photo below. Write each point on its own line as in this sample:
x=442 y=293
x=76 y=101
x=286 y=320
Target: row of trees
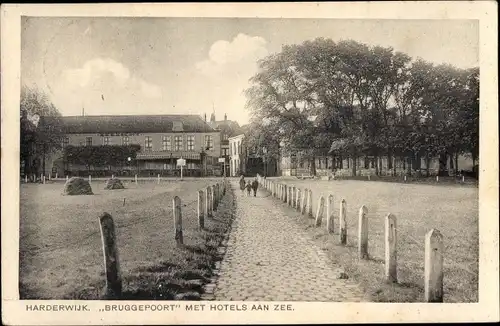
x=348 y=99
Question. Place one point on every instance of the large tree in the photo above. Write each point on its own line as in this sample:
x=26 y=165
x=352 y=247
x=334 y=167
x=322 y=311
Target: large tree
x=359 y=100
x=41 y=127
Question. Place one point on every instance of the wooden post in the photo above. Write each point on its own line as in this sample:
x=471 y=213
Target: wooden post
x=136 y=179
x=299 y=196
x=294 y=196
x=304 y=201
x=319 y=210
x=363 y=233
x=176 y=203
x=158 y=179
x=207 y=202
x=285 y=193
x=437 y=178
x=343 y=222
x=309 y=204
x=463 y=179
x=329 y=214
x=391 y=273
x=43 y=179
x=433 y=266
x=405 y=178
x=111 y=261
x=201 y=216
x=290 y=195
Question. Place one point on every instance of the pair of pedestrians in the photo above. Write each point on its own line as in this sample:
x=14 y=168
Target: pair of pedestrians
x=249 y=186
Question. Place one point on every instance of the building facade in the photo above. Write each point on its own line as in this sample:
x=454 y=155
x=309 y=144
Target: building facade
x=297 y=164
x=227 y=129
x=237 y=154
x=162 y=139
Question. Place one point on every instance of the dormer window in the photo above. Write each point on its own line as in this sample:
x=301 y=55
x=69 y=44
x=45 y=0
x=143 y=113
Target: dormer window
x=177 y=126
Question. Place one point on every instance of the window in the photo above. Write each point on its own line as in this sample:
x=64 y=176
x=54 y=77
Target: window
x=65 y=142
x=190 y=143
x=224 y=152
x=177 y=126
x=224 y=136
x=105 y=140
x=178 y=143
x=166 y=143
x=209 y=142
x=88 y=141
x=125 y=140
x=148 y=143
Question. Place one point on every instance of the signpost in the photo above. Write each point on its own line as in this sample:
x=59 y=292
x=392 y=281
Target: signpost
x=223 y=161
x=181 y=162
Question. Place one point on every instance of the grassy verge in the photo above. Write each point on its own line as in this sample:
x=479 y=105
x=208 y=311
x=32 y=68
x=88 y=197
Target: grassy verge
x=418 y=208
x=60 y=247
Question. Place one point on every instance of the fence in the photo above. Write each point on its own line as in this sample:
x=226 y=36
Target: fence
x=302 y=199
x=208 y=200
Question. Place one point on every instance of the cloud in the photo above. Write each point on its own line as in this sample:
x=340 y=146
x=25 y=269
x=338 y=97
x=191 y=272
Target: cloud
x=223 y=76
x=241 y=53
x=98 y=70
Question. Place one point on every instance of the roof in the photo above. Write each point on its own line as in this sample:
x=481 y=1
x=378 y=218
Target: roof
x=133 y=124
x=232 y=127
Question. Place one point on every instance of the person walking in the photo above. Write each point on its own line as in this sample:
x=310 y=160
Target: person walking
x=255 y=186
x=242 y=184
x=249 y=189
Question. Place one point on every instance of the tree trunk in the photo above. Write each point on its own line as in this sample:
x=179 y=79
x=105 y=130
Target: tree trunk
x=389 y=159
x=409 y=166
x=354 y=166
x=452 y=168
x=456 y=163
x=313 y=166
x=43 y=162
x=376 y=165
x=442 y=164
x=427 y=163
x=341 y=163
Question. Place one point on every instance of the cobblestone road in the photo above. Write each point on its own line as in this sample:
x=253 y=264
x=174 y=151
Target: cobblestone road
x=269 y=258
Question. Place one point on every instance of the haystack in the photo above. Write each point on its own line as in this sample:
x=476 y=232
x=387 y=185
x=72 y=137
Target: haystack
x=77 y=186
x=114 y=184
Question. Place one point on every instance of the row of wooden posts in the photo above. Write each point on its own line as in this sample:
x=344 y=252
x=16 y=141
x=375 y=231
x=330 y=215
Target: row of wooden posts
x=208 y=201
x=301 y=200
x=43 y=178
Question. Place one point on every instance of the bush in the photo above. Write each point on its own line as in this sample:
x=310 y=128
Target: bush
x=77 y=186
x=114 y=184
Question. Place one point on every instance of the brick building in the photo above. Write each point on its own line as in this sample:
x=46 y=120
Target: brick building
x=162 y=138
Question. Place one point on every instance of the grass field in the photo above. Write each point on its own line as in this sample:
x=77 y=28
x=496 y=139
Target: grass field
x=453 y=210
x=61 y=251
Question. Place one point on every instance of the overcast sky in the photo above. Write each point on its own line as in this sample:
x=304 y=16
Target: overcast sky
x=184 y=65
